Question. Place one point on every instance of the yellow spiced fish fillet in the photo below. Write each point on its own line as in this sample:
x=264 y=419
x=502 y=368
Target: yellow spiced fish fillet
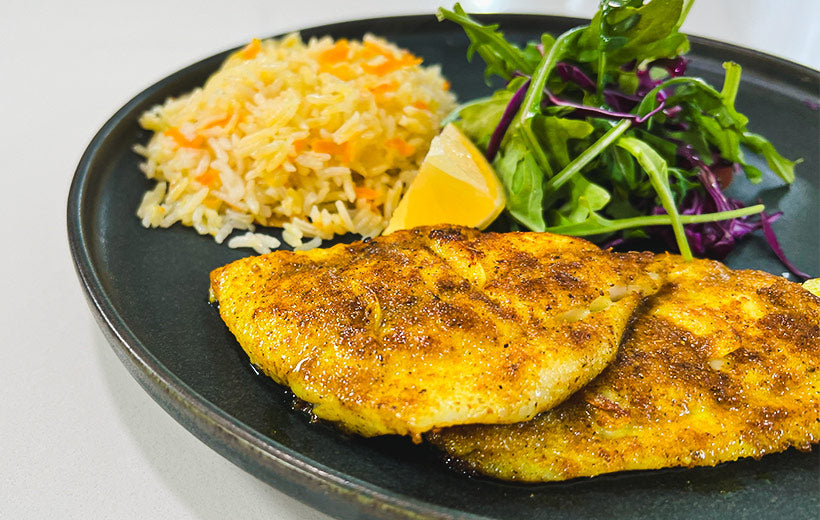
x=718 y=365
x=434 y=326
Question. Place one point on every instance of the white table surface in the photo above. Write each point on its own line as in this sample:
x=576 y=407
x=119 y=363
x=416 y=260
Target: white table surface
x=79 y=437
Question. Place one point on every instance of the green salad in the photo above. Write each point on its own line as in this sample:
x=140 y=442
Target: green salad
x=599 y=132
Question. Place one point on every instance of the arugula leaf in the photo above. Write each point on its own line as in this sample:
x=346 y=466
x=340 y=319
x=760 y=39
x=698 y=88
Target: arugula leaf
x=683 y=183
x=584 y=198
x=718 y=124
x=532 y=102
x=779 y=164
x=502 y=58
x=657 y=169
x=590 y=153
x=555 y=133
x=598 y=225
x=618 y=166
x=638 y=27
x=479 y=120
x=699 y=92
x=627 y=30
x=522 y=180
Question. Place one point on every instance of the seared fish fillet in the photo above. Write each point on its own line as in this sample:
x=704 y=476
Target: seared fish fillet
x=719 y=365
x=434 y=326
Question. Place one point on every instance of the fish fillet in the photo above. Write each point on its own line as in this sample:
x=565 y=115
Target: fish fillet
x=435 y=326
x=718 y=365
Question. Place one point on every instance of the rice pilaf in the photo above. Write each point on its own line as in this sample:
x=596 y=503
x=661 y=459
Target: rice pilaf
x=318 y=138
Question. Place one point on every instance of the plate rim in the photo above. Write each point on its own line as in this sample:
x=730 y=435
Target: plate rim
x=297 y=475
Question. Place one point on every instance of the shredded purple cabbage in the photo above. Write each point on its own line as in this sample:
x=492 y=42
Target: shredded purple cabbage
x=615 y=242
x=717 y=239
x=577 y=75
x=771 y=238
x=620 y=101
x=674 y=67
x=689 y=158
x=711 y=239
x=617 y=100
x=506 y=119
x=586 y=110
x=710 y=182
x=714 y=239
x=630 y=66
x=574 y=74
x=674 y=111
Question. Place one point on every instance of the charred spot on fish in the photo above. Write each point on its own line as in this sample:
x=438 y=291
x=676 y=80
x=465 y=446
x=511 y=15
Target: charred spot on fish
x=744 y=355
x=767 y=418
x=366 y=347
x=602 y=403
x=799 y=329
x=512 y=370
x=522 y=260
x=724 y=392
x=452 y=284
x=456 y=316
x=567 y=281
x=396 y=338
x=580 y=335
x=423 y=342
x=355 y=312
x=446 y=234
x=777 y=293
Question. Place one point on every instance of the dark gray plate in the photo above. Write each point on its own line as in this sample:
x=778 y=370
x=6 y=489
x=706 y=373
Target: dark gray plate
x=148 y=290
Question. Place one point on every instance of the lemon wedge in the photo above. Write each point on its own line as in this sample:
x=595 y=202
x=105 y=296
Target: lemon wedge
x=813 y=286
x=455 y=185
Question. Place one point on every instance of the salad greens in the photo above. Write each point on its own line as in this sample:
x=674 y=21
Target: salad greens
x=598 y=131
